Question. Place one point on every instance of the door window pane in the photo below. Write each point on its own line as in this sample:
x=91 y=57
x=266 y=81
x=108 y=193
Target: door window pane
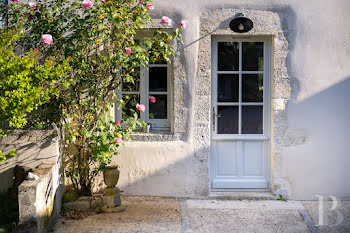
x=227 y=119
x=228 y=87
x=228 y=56
x=252 y=87
x=158 y=107
x=253 y=56
x=130 y=105
x=252 y=119
x=158 y=79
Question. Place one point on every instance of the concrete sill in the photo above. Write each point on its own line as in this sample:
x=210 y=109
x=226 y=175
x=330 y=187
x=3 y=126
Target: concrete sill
x=156 y=136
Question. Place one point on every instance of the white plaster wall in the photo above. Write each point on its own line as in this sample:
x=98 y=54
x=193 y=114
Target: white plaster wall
x=159 y=169
x=317 y=158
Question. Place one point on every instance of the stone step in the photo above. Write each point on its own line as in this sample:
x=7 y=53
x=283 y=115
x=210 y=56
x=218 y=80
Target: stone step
x=241 y=196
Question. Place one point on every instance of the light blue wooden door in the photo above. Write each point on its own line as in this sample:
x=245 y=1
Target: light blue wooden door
x=240 y=141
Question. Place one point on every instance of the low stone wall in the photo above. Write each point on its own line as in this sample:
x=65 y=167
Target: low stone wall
x=40 y=200
x=40 y=195
x=33 y=147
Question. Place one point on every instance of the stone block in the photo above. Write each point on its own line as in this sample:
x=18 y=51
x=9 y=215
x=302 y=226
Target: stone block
x=96 y=203
x=111 y=201
x=82 y=199
x=77 y=205
x=279 y=104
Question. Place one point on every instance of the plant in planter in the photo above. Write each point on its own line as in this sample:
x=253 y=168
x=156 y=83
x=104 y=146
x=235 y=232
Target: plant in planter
x=98 y=38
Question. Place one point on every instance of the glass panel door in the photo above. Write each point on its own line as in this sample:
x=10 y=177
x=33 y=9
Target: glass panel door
x=240 y=88
x=239 y=151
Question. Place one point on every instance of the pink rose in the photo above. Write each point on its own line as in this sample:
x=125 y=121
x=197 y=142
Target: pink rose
x=47 y=39
x=150 y=7
x=128 y=51
x=33 y=5
x=119 y=141
x=166 y=20
x=152 y=99
x=87 y=4
x=14 y=0
x=140 y=107
x=117 y=123
x=183 y=24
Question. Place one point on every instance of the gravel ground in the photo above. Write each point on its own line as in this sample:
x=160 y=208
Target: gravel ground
x=143 y=214
x=338 y=221
x=157 y=214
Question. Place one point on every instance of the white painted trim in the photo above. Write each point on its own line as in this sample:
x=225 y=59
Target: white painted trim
x=157 y=124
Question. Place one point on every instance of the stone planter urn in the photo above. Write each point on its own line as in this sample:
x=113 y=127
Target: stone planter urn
x=111 y=176
x=111 y=195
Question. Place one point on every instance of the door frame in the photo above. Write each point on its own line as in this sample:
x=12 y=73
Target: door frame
x=267 y=100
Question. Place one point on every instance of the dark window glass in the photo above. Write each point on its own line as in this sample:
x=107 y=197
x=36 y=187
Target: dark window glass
x=253 y=56
x=130 y=105
x=227 y=119
x=158 y=107
x=252 y=87
x=157 y=79
x=228 y=56
x=252 y=119
x=228 y=87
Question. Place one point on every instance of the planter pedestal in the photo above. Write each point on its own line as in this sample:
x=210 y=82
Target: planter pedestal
x=111 y=191
x=109 y=202
x=111 y=195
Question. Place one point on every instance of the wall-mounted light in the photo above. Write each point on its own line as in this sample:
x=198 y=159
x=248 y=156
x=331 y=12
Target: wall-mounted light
x=241 y=24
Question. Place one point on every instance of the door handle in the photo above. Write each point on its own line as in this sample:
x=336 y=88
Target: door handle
x=214 y=118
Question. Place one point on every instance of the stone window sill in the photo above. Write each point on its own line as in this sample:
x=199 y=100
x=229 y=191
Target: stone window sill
x=156 y=136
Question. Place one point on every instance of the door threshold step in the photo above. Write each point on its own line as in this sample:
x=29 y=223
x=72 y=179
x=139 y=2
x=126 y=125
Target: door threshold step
x=242 y=196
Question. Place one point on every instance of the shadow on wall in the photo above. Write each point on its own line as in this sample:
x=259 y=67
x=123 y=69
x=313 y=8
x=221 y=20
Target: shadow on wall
x=32 y=148
x=320 y=166
x=157 y=172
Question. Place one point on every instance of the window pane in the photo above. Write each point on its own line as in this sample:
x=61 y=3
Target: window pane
x=130 y=105
x=129 y=86
x=227 y=119
x=253 y=56
x=158 y=107
x=252 y=87
x=252 y=119
x=157 y=79
x=228 y=56
x=228 y=87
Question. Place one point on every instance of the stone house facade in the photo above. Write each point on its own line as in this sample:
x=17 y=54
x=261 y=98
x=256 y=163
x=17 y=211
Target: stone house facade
x=282 y=131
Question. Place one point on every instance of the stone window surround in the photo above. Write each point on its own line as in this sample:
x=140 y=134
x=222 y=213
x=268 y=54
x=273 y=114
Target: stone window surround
x=267 y=24
x=178 y=112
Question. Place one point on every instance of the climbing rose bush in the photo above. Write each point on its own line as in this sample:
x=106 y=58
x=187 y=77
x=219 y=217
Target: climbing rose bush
x=183 y=24
x=98 y=39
